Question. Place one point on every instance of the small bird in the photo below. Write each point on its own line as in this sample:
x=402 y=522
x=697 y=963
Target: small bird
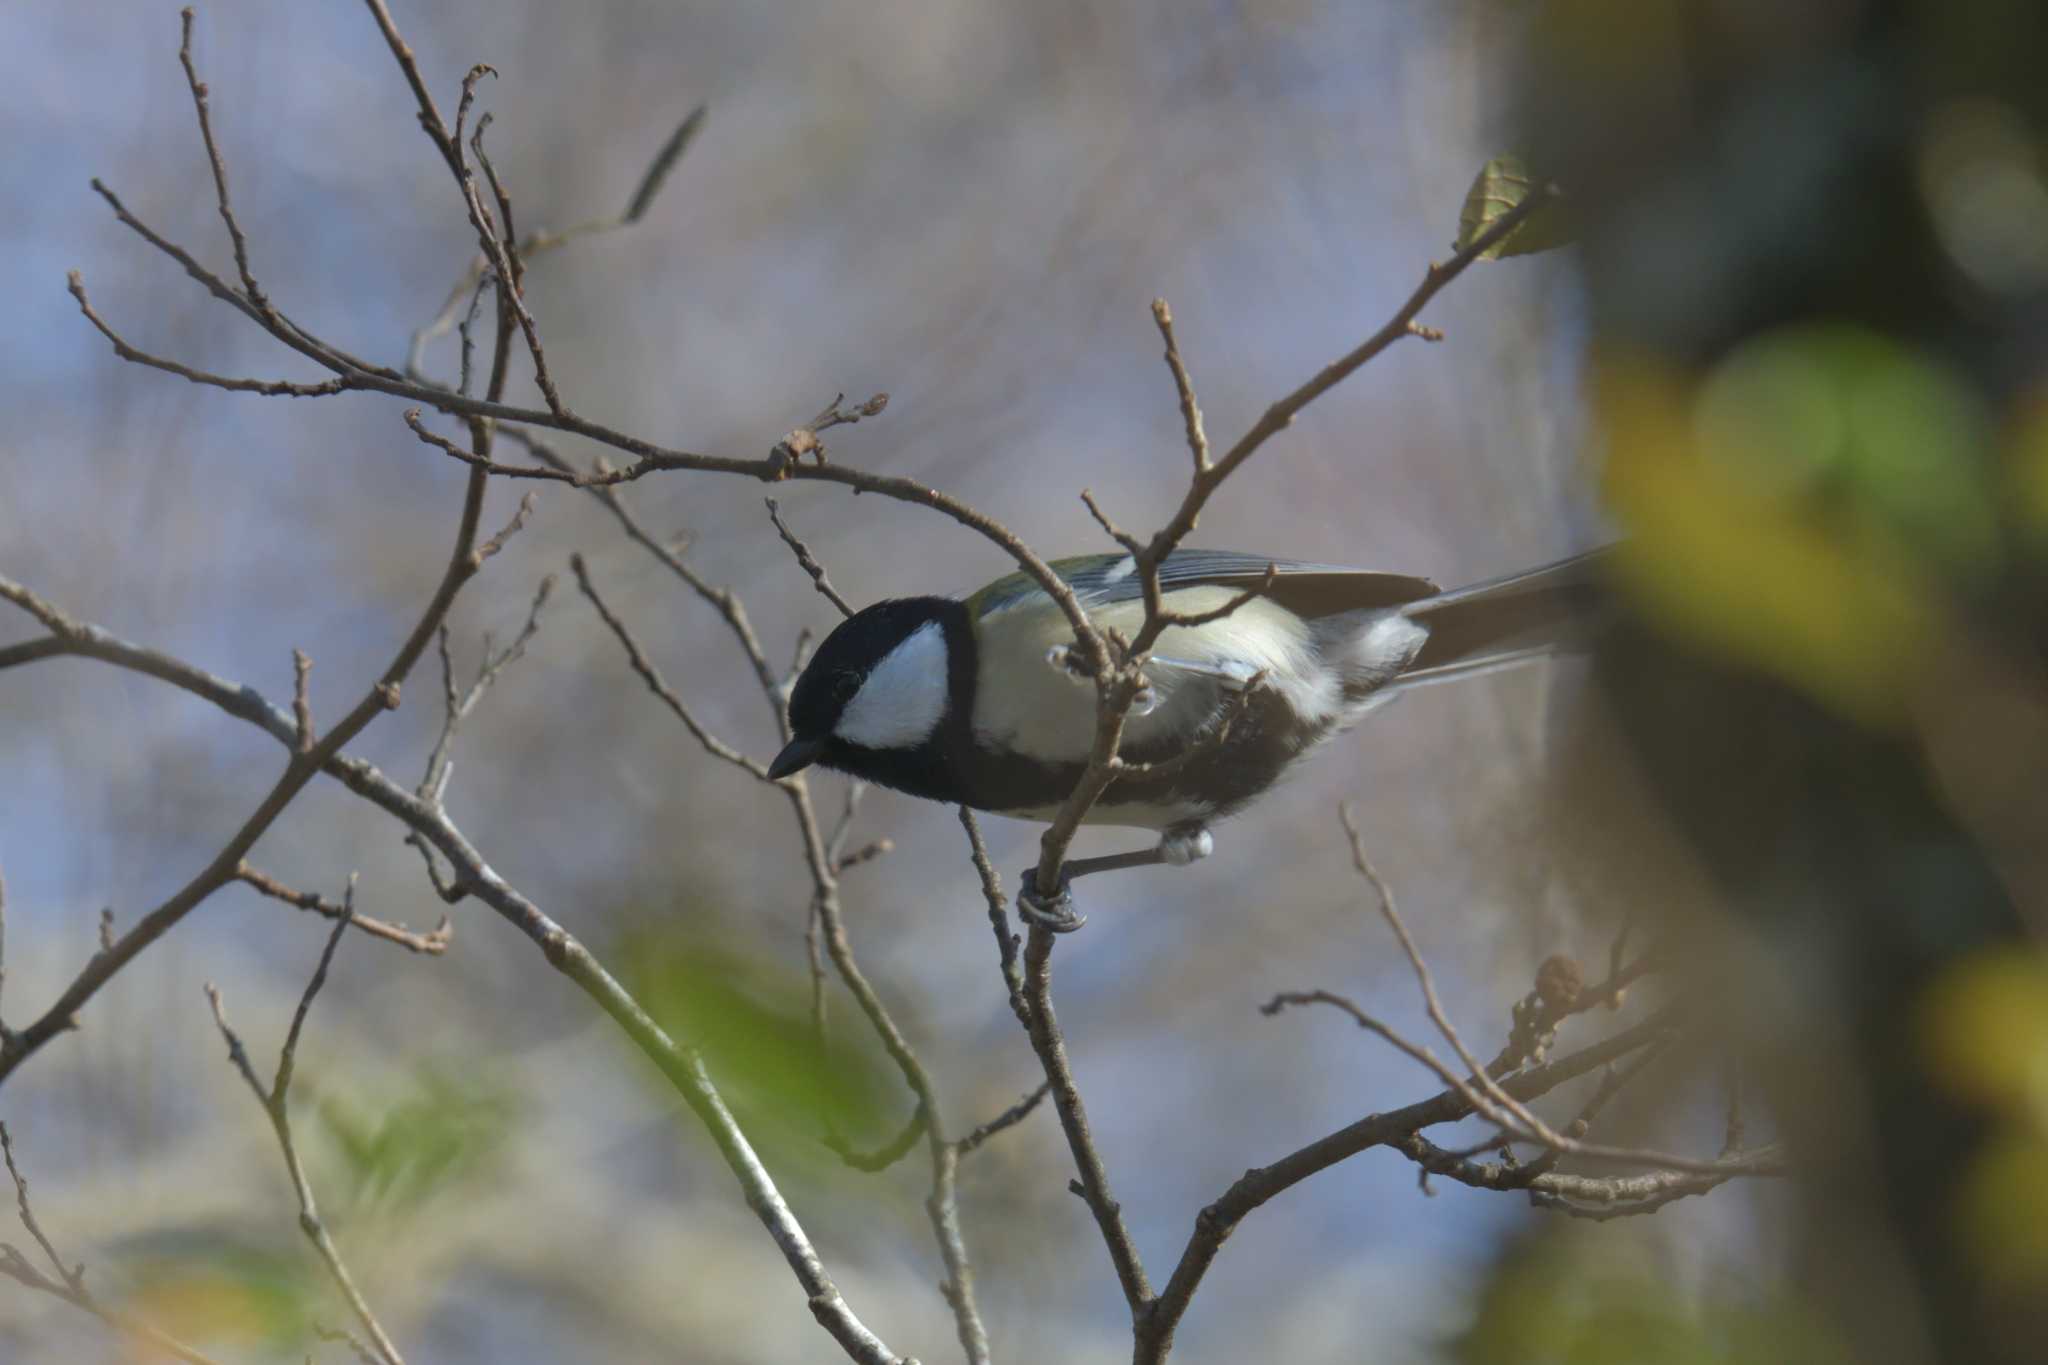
x=980 y=701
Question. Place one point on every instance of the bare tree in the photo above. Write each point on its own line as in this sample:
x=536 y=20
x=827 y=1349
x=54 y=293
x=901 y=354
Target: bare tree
x=1604 y=1181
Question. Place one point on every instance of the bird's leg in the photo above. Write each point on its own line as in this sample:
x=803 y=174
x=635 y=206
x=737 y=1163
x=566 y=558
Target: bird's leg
x=1179 y=846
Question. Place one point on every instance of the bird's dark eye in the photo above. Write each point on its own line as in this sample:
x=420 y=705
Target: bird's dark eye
x=844 y=685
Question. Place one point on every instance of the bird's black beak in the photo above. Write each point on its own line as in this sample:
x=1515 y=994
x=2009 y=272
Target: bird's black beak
x=796 y=755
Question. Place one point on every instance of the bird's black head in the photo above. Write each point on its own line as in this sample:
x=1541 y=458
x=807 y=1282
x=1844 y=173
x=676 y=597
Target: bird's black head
x=877 y=689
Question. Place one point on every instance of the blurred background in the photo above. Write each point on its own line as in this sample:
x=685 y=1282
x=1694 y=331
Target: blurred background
x=1795 y=357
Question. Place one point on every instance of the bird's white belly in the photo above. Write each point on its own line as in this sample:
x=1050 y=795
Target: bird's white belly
x=1125 y=815
x=1027 y=706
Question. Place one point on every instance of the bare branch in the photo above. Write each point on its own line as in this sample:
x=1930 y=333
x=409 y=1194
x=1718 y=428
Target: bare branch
x=475 y=461
x=1009 y=1118
x=302 y=703
x=69 y=1282
x=1558 y=996
x=1617 y=1195
x=866 y=853
x=723 y=600
x=1605 y=1198
x=680 y=1064
x=889 y=1153
x=1498 y=1105
x=941 y=1206
x=504 y=254
x=1007 y=943
x=274 y=1102
x=1229 y=608
x=807 y=561
x=457 y=704
x=1448 y=1075
x=220 y=170
x=432 y=943
x=272 y=388
x=783 y=461
x=341 y=1336
x=430 y=116
x=73 y=1276
x=381 y=696
x=505 y=533
x=650 y=675
x=1190 y=411
x=1043 y=1027
x=1216 y=1221
x=1389 y=912
x=1115 y=691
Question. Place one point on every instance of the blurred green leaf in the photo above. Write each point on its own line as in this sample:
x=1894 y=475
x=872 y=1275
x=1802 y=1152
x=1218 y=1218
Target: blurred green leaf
x=441 y=1135
x=751 y=1019
x=1873 y=437
x=2027 y=466
x=1501 y=184
x=1579 y=1296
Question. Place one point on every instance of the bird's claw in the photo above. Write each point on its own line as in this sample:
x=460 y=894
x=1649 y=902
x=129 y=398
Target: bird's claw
x=1055 y=912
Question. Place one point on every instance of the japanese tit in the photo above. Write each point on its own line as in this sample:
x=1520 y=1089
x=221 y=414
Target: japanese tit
x=973 y=701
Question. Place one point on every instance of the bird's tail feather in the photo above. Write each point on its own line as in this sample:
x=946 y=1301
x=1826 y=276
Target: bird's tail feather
x=1508 y=621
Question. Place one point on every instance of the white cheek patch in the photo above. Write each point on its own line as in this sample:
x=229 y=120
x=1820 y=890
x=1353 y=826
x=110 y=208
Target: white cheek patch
x=904 y=697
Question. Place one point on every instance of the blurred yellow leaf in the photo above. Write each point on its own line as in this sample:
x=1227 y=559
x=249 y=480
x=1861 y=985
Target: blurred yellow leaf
x=1732 y=564
x=2027 y=465
x=221 y=1291
x=2004 y=1211
x=1984 y=1028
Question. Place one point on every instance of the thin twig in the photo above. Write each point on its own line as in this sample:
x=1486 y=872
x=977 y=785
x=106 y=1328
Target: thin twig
x=656 y=684
x=302 y=703
x=825 y=935
x=721 y=599
x=807 y=561
x=1007 y=943
x=69 y=1281
x=678 y=1062
x=272 y=388
x=74 y=1276
x=866 y=853
x=433 y=943
x=1190 y=411
x=1047 y=1040
x=220 y=170
x=1009 y=1118
x=464 y=561
x=458 y=703
x=886 y=1155
x=1116 y=689
x=274 y=1102
x=1495 y=1096
x=1215 y=1223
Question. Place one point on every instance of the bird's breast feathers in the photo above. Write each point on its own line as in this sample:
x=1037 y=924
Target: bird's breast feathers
x=1025 y=705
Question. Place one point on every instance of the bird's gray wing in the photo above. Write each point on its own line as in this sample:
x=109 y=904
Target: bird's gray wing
x=1308 y=590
